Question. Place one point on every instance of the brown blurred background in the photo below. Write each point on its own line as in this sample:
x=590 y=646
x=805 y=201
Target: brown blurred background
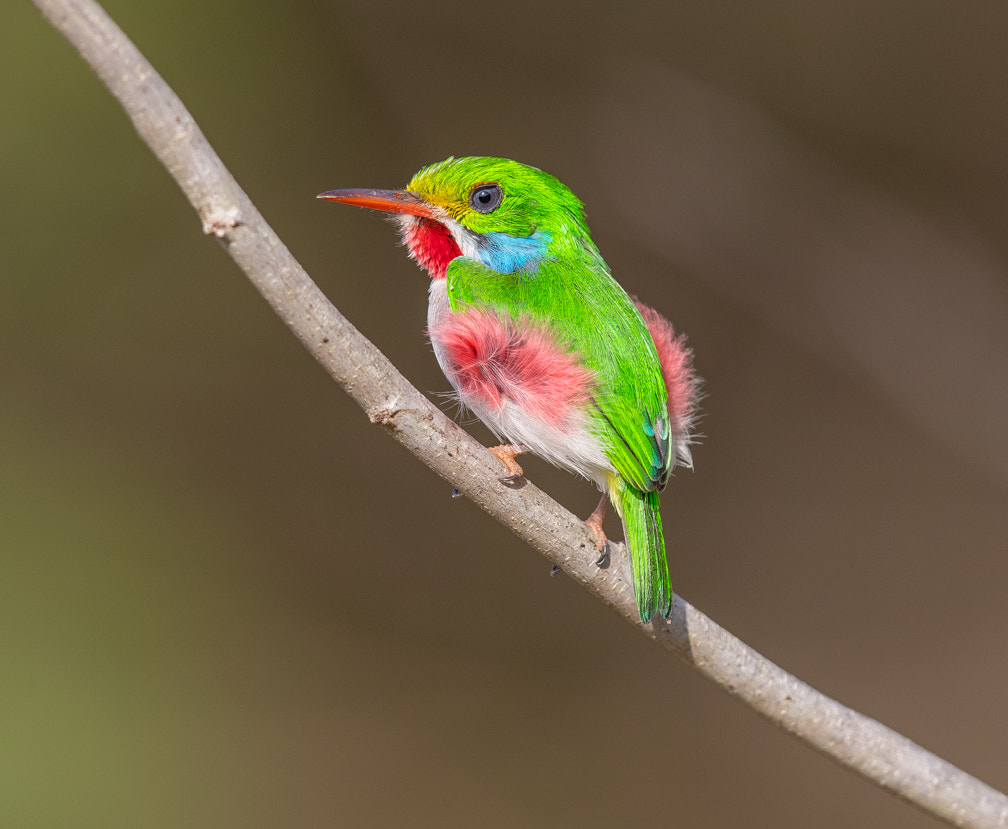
x=226 y=600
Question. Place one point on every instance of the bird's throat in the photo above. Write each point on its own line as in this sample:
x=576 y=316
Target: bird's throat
x=430 y=243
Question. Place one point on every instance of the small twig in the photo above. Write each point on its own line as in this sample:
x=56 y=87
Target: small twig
x=870 y=748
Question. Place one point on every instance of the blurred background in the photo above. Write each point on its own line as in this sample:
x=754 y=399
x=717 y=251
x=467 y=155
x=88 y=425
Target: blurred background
x=227 y=600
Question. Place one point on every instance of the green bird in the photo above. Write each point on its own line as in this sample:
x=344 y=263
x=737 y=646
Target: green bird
x=545 y=347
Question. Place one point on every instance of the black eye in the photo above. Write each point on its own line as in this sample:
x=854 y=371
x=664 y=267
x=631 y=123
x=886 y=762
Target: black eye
x=485 y=198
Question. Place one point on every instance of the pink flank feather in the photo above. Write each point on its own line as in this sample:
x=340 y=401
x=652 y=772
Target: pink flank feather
x=677 y=368
x=491 y=361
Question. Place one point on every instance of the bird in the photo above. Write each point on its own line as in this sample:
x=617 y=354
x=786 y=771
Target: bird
x=542 y=344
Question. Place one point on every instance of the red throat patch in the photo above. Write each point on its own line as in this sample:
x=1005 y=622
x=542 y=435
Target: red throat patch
x=431 y=244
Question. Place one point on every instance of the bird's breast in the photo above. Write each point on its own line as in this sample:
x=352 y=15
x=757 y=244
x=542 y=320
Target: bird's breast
x=519 y=379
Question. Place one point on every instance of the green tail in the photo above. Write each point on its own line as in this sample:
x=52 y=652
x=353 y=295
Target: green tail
x=643 y=530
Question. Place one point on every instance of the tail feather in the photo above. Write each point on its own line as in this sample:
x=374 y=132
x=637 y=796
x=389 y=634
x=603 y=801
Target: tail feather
x=645 y=542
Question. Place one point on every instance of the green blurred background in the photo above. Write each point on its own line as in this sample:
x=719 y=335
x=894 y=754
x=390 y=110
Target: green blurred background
x=226 y=600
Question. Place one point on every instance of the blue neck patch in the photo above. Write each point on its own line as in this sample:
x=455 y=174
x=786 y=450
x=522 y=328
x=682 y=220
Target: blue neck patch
x=504 y=253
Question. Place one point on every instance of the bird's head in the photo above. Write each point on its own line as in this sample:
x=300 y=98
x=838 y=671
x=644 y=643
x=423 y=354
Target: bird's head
x=505 y=215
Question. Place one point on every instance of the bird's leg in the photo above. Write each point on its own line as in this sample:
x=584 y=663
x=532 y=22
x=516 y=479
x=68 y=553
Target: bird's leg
x=506 y=452
x=594 y=522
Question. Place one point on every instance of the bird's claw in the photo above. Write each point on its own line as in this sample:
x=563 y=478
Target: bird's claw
x=603 y=557
x=594 y=522
x=506 y=455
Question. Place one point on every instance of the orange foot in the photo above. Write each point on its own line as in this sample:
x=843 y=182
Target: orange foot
x=506 y=453
x=594 y=522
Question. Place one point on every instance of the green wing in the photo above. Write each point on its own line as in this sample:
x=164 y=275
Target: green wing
x=588 y=309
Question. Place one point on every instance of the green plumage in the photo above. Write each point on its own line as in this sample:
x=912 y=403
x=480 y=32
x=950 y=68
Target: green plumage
x=643 y=527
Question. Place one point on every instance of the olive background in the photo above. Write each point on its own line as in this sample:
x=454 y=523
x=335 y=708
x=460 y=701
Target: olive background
x=227 y=600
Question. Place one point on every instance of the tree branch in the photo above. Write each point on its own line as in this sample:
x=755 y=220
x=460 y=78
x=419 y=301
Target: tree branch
x=858 y=742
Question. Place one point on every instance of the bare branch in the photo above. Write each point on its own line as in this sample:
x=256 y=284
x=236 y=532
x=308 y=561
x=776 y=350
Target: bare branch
x=862 y=744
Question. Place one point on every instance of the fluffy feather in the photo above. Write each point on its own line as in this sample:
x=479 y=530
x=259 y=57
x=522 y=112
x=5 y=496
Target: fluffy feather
x=525 y=386
x=492 y=360
x=681 y=382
